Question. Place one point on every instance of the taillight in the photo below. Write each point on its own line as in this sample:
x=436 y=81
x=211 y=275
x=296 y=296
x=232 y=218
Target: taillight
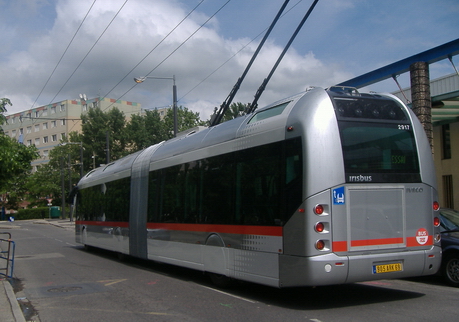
x=319 y=227
x=320 y=244
x=436 y=205
x=436 y=221
x=319 y=209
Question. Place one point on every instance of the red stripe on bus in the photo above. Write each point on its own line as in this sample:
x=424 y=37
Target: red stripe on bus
x=228 y=229
x=339 y=246
x=412 y=241
x=376 y=242
x=103 y=223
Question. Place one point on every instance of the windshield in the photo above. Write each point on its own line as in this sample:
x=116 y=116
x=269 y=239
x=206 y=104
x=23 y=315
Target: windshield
x=449 y=220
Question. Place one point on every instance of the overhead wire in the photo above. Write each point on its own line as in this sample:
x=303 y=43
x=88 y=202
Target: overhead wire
x=241 y=49
x=159 y=43
x=65 y=51
x=177 y=48
x=87 y=54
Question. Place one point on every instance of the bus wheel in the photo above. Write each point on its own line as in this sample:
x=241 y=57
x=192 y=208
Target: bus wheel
x=451 y=269
x=220 y=280
x=121 y=257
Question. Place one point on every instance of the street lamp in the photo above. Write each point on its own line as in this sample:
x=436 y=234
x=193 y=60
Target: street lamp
x=174 y=95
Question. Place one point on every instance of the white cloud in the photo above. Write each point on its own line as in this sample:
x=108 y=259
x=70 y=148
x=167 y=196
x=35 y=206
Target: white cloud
x=325 y=53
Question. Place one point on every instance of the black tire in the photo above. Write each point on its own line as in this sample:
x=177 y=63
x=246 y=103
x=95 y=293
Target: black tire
x=221 y=281
x=450 y=269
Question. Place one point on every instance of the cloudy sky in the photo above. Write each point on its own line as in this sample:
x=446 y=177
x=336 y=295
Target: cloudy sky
x=53 y=50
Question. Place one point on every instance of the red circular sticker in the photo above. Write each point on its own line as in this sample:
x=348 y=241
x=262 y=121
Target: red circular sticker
x=422 y=236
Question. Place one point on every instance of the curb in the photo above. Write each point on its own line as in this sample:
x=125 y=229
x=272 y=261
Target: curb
x=15 y=308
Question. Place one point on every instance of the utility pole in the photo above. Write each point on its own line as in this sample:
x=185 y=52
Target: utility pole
x=420 y=97
x=107 y=147
x=63 y=187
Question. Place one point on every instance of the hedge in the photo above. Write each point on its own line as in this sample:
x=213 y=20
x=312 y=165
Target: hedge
x=35 y=213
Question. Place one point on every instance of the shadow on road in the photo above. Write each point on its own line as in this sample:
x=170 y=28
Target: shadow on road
x=301 y=298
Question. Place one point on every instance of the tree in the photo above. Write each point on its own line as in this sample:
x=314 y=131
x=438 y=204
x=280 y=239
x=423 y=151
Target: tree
x=235 y=110
x=15 y=157
x=148 y=129
x=3 y=103
x=44 y=183
x=97 y=126
x=186 y=119
x=116 y=124
x=145 y=130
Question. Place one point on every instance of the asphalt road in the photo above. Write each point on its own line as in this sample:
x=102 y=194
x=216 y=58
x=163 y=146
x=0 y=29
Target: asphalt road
x=57 y=280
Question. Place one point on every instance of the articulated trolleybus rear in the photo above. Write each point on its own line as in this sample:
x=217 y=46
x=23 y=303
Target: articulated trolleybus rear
x=325 y=187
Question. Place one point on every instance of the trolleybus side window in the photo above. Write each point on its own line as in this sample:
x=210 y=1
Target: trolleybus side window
x=116 y=200
x=90 y=203
x=217 y=189
x=264 y=114
x=256 y=186
x=105 y=202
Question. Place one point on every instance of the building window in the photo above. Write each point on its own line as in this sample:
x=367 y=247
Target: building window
x=446 y=141
x=54 y=138
x=29 y=142
x=45 y=139
x=62 y=136
x=37 y=114
x=53 y=124
x=62 y=108
x=13 y=133
x=63 y=122
x=37 y=127
x=45 y=113
x=45 y=153
x=53 y=110
x=37 y=141
x=448 y=195
x=45 y=126
x=29 y=129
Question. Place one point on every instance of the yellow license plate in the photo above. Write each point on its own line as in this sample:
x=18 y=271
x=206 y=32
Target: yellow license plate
x=387 y=268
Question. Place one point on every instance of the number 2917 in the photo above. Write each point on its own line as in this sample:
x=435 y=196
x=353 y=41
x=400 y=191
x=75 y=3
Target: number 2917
x=403 y=126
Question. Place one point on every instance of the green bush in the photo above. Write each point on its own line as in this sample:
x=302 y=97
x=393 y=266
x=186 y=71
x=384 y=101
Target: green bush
x=33 y=213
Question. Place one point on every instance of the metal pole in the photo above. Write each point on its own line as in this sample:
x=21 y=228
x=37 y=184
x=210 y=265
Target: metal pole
x=81 y=160
x=174 y=105
x=63 y=186
x=70 y=173
x=108 y=148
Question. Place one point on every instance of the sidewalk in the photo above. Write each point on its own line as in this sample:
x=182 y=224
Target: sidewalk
x=10 y=310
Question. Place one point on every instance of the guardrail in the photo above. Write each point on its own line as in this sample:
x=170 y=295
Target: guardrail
x=7 y=248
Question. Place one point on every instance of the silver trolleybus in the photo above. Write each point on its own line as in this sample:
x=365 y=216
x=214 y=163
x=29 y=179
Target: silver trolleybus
x=325 y=187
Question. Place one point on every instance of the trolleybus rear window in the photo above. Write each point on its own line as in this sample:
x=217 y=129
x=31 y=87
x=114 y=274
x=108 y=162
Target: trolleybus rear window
x=379 y=152
x=377 y=138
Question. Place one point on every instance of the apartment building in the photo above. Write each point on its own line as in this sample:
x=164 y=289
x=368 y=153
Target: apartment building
x=46 y=125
